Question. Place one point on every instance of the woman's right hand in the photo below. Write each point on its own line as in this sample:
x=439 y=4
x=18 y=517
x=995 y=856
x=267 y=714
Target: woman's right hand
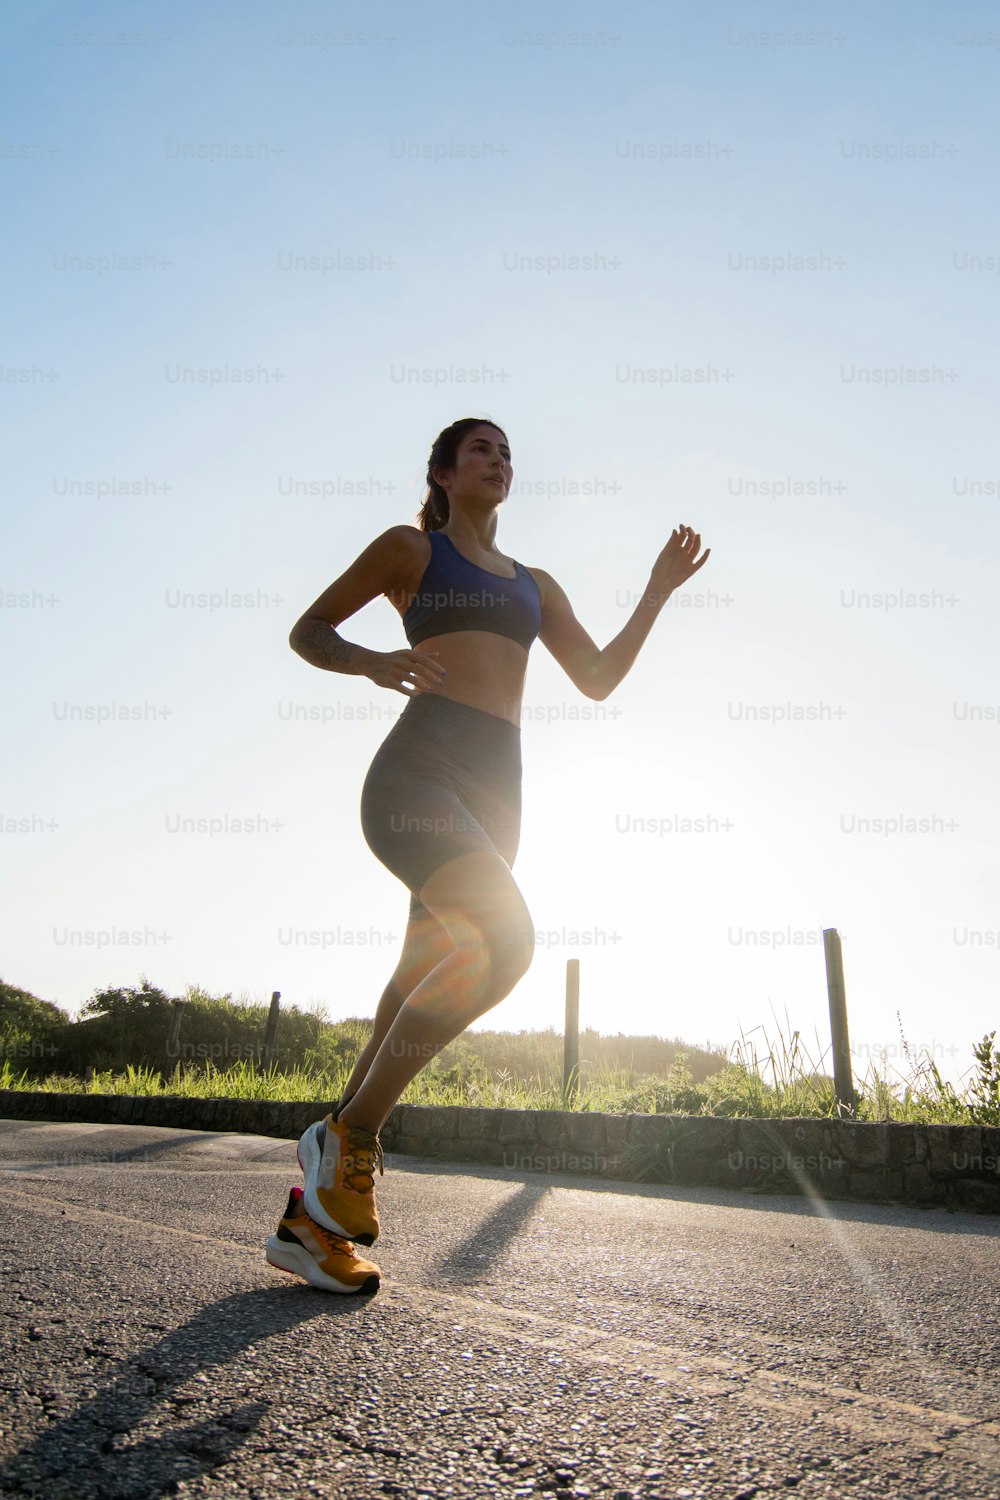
x=407 y=672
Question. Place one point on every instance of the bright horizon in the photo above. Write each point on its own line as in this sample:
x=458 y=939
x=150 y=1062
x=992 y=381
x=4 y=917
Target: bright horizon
x=699 y=271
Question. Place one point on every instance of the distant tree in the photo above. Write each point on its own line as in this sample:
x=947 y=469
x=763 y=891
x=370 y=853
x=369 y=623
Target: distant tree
x=123 y=1024
x=128 y=1004
x=19 y=1007
x=32 y=1031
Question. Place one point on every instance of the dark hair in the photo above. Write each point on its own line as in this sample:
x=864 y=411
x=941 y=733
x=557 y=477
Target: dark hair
x=434 y=511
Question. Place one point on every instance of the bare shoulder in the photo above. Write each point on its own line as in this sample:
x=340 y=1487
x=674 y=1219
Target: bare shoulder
x=385 y=566
x=404 y=538
x=404 y=529
x=406 y=546
x=410 y=549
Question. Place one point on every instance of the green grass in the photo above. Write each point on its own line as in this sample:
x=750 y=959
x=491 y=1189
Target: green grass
x=764 y=1077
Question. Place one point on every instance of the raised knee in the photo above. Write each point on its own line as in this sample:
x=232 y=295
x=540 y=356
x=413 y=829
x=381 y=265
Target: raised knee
x=496 y=959
x=511 y=951
x=474 y=956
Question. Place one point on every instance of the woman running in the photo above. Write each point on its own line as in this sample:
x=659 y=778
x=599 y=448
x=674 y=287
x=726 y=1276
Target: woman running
x=441 y=803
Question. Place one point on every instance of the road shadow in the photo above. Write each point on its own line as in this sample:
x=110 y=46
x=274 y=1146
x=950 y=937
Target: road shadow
x=491 y=1238
x=793 y=1205
x=88 y=1455
x=936 y=1220
x=57 y=1147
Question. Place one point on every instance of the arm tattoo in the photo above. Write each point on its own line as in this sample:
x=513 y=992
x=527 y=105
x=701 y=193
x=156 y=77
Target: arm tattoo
x=320 y=645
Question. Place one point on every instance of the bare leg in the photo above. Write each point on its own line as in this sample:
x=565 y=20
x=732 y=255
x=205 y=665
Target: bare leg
x=474 y=897
x=426 y=943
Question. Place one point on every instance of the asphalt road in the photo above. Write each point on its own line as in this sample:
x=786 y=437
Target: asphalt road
x=534 y=1336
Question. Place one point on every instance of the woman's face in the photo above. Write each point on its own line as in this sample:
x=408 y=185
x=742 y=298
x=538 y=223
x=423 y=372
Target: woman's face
x=482 y=467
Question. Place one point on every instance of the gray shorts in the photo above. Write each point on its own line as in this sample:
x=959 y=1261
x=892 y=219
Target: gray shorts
x=445 y=781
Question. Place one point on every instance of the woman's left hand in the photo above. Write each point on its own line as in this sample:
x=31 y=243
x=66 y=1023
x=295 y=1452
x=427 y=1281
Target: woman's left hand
x=676 y=562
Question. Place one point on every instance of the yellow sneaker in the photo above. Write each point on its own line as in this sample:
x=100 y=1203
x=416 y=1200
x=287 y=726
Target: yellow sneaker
x=325 y=1260
x=338 y=1163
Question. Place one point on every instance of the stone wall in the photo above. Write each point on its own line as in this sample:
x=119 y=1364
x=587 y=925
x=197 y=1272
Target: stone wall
x=950 y=1166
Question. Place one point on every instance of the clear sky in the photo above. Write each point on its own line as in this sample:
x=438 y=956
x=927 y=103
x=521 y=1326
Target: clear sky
x=706 y=264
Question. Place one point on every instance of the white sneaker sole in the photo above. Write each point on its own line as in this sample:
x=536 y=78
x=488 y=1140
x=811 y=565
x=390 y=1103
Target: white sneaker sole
x=310 y=1155
x=297 y=1260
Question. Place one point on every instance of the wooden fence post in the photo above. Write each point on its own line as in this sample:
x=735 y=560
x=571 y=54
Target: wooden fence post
x=173 y=1045
x=272 y=1026
x=571 y=1040
x=843 y=1083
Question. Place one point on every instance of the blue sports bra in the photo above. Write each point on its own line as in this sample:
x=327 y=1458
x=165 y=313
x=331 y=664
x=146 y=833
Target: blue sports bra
x=455 y=594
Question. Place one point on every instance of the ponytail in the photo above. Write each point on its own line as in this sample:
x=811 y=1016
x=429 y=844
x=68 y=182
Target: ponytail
x=435 y=510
